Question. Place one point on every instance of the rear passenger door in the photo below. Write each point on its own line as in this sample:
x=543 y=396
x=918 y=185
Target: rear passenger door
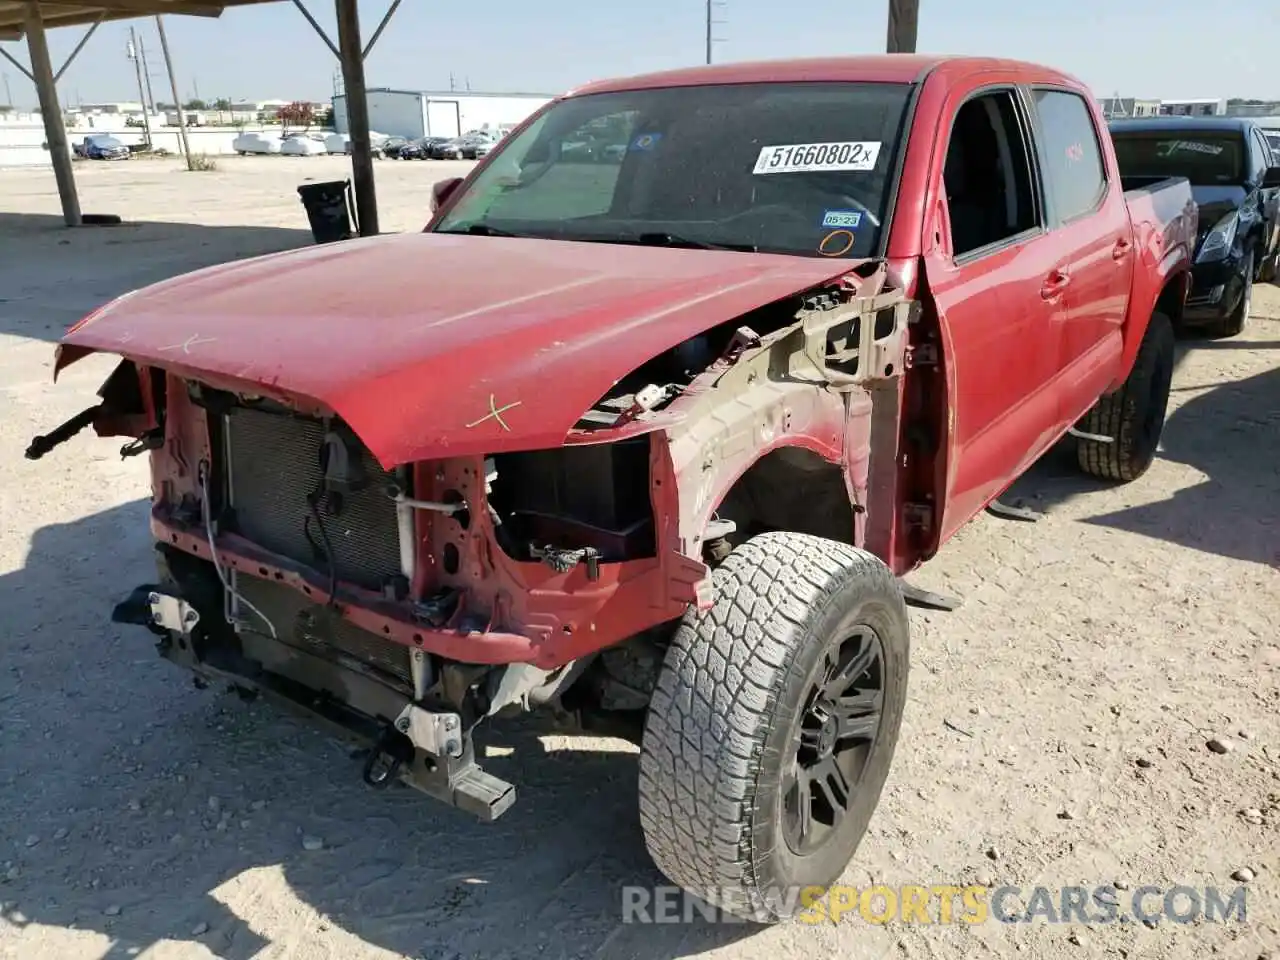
x=998 y=282
x=1090 y=221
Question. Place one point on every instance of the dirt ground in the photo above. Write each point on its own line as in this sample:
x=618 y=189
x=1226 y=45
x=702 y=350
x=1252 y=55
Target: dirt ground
x=1056 y=730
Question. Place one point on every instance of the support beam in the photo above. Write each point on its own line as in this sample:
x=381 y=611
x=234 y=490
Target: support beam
x=386 y=18
x=9 y=56
x=51 y=113
x=173 y=86
x=904 y=19
x=139 y=7
x=317 y=28
x=357 y=104
x=79 y=46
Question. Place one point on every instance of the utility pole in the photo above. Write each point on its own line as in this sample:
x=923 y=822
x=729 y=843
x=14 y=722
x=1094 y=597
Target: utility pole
x=8 y=95
x=712 y=23
x=131 y=50
x=173 y=85
x=904 y=19
x=708 y=32
x=146 y=74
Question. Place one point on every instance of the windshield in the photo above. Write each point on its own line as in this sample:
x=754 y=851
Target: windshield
x=1204 y=159
x=104 y=141
x=800 y=168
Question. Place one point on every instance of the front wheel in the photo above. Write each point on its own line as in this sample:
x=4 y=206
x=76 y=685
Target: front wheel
x=773 y=724
x=1133 y=416
x=1234 y=322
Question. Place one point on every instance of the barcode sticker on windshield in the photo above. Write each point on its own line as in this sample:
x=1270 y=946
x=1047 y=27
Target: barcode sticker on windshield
x=811 y=157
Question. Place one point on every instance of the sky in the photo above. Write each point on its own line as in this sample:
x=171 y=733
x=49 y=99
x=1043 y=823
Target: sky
x=1145 y=48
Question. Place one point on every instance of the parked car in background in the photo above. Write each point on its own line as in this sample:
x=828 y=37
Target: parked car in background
x=341 y=142
x=1237 y=187
x=101 y=146
x=421 y=148
x=253 y=142
x=469 y=146
x=473 y=144
x=303 y=145
x=391 y=147
x=651 y=445
x=450 y=149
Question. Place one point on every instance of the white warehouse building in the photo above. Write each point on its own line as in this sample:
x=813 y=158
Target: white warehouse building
x=411 y=113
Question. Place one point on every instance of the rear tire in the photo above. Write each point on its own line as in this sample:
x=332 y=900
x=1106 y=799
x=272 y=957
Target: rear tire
x=773 y=724
x=1134 y=415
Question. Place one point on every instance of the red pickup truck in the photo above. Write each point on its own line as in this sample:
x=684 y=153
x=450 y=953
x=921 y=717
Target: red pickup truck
x=649 y=429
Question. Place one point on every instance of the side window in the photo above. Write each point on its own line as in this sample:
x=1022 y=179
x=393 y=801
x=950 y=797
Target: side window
x=1073 y=161
x=988 y=174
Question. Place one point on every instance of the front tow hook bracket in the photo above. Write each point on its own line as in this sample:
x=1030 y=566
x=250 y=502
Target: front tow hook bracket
x=392 y=751
x=435 y=733
x=172 y=613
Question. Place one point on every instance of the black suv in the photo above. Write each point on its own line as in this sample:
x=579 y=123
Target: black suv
x=1236 y=182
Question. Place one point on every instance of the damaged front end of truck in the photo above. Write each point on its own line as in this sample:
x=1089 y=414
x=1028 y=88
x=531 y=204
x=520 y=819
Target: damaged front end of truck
x=406 y=588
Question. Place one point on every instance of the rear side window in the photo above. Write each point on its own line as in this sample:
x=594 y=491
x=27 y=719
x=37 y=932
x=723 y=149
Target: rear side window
x=1072 y=159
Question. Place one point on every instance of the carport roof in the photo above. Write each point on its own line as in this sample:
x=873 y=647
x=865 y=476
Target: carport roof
x=65 y=13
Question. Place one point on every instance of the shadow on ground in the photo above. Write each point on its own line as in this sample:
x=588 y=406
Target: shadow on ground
x=51 y=276
x=137 y=807
x=1231 y=434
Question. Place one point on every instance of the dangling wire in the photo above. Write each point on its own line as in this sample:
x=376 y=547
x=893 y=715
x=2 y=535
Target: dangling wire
x=207 y=516
x=326 y=554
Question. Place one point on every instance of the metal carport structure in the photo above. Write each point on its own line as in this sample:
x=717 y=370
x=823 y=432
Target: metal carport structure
x=31 y=18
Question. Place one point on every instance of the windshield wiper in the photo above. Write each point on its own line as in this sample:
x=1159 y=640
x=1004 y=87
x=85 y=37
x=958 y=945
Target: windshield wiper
x=484 y=230
x=664 y=239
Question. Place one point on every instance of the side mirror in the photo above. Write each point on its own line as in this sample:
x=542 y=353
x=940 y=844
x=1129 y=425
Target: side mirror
x=444 y=189
x=1271 y=178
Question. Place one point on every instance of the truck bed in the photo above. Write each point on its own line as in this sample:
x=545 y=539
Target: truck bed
x=1161 y=205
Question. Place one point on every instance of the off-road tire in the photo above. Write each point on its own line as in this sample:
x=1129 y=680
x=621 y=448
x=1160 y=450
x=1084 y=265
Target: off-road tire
x=724 y=721
x=1134 y=415
x=1234 y=322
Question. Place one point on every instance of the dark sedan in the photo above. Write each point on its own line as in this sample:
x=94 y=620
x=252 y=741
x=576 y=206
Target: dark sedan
x=1237 y=186
x=421 y=148
x=392 y=146
x=450 y=149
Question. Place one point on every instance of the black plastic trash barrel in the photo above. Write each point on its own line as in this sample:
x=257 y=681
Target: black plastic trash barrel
x=328 y=209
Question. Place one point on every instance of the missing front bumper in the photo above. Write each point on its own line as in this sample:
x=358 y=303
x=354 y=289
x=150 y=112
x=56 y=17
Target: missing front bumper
x=429 y=750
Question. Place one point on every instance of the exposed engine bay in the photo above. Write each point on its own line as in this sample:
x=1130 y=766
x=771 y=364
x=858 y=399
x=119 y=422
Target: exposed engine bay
x=407 y=605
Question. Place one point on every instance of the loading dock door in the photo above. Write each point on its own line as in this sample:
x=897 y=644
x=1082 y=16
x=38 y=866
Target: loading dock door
x=444 y=118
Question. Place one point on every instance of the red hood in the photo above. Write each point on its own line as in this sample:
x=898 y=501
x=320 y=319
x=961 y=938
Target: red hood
x=412 y=338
